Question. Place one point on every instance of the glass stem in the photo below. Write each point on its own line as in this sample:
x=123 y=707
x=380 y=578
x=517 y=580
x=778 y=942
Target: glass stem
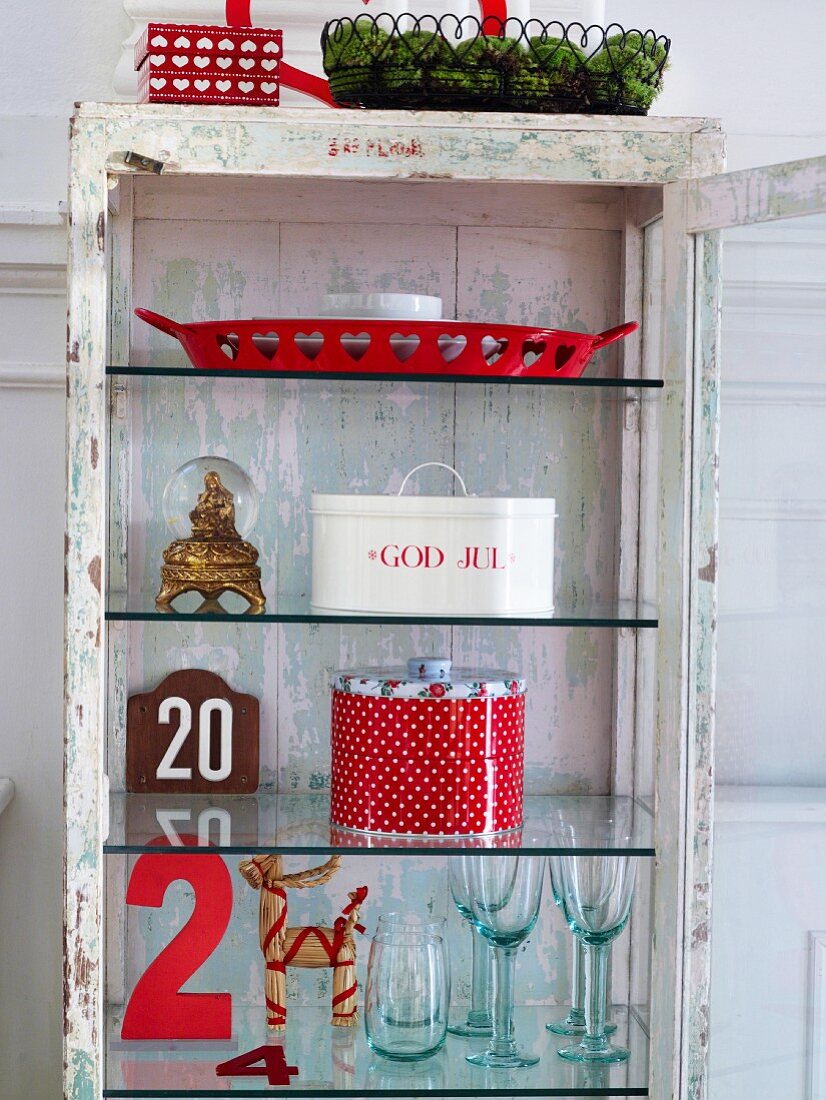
x=576 y=1017
x=479 y=1014
x=502 y=1041
x=596 y=985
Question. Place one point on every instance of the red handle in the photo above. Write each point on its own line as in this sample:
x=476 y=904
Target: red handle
x=238 y=13
x=171 y=328
x=612 y=334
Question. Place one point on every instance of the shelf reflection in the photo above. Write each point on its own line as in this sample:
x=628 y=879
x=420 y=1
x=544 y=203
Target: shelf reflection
x=300 y=824
x=334 y=1064
x=191 y=607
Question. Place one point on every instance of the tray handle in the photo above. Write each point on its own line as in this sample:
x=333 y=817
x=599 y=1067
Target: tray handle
x=612 y=334
x=165 y=324
x=444 y=466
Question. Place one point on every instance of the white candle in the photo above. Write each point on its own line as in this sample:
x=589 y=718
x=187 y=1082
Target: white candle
x=519 y=9
x=593 y=12
x=400 y=9
x=461 y=8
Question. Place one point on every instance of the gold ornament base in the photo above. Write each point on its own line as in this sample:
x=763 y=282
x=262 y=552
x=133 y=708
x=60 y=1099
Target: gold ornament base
x=211 y=567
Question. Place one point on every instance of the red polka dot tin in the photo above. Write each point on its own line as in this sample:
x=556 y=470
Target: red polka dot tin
x=427 y=750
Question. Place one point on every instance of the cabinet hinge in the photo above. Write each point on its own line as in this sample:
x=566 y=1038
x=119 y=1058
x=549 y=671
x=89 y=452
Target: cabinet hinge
x=119 y=400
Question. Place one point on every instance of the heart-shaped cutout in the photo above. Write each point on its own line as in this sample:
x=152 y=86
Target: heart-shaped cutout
x=247 y=46
x=404 y=346
x=356 y=344
x=266 y=343
x=451 y=347
x=271 y=47
x=158 y=81
x=159 y=40
x=202 y=85
x=181 y=43
x=201 y=62
x=245 y=86
x=223 y=85
x=532 y=351
x=493 y=349
x=563 y=354
x=229 y=344
x=180 y=59
x=223 y=62
x=246 y=62
x=309 y=344
x=268 y=88
x=269 y=63
x=180 y=83
x=157 y=58
x=226 y=44
x=204 y=43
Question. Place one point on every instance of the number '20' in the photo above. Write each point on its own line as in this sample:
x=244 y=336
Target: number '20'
x=167 y=768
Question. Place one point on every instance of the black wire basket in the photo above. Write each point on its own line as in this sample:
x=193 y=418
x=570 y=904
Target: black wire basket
x=449 y=63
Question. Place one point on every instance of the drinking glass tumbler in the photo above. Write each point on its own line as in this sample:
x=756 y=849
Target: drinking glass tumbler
x=407 y=995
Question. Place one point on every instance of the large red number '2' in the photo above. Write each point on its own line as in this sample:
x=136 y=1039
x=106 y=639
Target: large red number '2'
x=157 y=1008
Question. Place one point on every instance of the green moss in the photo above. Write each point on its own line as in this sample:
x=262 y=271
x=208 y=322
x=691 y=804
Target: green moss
x=552 y=67
x=491 y=52
x=420 y=48
x=358 y=46
x=629 y=67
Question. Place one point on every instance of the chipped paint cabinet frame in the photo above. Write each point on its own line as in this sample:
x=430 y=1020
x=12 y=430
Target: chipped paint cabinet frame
x=533 y=179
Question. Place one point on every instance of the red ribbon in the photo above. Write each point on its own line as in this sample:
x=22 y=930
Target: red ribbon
x=238 y=13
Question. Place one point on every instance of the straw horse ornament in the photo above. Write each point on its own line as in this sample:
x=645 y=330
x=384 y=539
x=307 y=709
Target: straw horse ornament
x=304 y=946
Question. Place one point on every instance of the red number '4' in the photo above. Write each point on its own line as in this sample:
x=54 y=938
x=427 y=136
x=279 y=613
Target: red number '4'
x=157 y=1008
x=275 y=1067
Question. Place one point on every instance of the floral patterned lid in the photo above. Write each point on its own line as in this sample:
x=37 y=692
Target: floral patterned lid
x=429 y=677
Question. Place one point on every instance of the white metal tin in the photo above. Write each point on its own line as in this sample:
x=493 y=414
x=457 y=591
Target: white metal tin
x=432 y=555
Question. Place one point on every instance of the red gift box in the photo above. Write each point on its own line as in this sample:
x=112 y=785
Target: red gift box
x=192 y=63
x=415 y=756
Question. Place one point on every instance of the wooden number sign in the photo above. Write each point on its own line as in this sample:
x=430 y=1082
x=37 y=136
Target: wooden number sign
x=192 y=734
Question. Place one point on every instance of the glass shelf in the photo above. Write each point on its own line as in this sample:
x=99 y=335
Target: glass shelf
x=390 y=376
x=337 y=1062
x=192 y=607
x=300 y=824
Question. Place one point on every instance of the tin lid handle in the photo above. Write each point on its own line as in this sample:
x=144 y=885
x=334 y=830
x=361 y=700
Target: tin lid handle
x=444 y=466
x=429 y=668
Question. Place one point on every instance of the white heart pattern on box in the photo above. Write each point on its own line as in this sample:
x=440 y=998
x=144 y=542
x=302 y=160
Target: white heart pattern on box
x=223 y=85
x=157 y=81
x=269 y=63
x=201 y=62
x=267 y=88
x=159 y=40
x=247 y=46
x=204 y=43
x=270 y=47
x=225 y=44
x=180 y=59
x=157 y=58
x=245 y=86
x=246 y=63
x=201 y=85
x=223 y=62
x=181 y=43
x=181 y=84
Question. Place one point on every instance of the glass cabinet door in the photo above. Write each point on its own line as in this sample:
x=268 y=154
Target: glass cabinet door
x=755 y=937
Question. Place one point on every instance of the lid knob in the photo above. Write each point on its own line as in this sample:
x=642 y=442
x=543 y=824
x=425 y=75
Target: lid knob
x=429 y=668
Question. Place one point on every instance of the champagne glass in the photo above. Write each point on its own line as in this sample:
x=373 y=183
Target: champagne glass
x=574 y=1022
x=478 y=1020
x=595 y=895
x=504 y=894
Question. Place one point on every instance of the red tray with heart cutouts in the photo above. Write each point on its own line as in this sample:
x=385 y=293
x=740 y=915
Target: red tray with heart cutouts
x=337 y=346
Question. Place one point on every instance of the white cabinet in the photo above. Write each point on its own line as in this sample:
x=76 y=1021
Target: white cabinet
x=572 y=222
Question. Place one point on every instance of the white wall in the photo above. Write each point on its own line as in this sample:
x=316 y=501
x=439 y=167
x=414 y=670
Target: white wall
x=68 y=51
